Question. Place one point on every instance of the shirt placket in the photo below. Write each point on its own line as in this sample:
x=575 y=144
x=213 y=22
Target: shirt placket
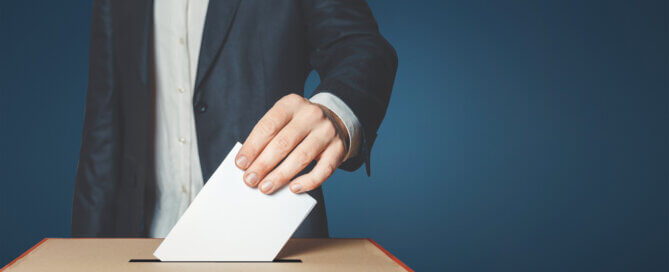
x=183 y=105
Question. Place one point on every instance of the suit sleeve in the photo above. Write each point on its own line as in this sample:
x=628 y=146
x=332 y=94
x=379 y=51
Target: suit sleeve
x=97 y=171
x=354 y=62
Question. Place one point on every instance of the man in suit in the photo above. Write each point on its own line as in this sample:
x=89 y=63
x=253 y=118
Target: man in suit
x=173 y=85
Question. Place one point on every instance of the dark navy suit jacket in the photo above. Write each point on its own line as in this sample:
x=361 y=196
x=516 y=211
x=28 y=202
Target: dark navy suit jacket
x=253 y=53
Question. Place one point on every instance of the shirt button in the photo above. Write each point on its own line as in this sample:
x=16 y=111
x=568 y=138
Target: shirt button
x=182 y=41
x=202 y=107
x=181 y=90
x=183 y=189
x=182 y=140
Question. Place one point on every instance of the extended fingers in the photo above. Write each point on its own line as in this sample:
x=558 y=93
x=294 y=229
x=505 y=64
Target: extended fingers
x=275 y=151
x=268 y=126
x=329 y=161
x=293 y=133
x=310 y=148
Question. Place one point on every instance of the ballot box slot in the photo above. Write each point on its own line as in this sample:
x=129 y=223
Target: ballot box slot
x=159 y=261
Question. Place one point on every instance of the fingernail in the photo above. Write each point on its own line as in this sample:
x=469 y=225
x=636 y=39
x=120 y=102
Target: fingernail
x=296 y=187
x=251 y=179
x=266 y=187
x=242 y=162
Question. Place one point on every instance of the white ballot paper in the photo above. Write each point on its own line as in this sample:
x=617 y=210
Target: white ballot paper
x=229 y=221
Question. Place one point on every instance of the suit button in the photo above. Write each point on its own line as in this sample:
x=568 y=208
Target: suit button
x=201 y=107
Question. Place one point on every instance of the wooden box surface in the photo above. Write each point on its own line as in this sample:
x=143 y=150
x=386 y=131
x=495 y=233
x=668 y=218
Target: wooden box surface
x=115 y=254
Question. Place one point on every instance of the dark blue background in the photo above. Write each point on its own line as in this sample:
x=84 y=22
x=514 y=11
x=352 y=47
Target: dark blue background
x=521 y=135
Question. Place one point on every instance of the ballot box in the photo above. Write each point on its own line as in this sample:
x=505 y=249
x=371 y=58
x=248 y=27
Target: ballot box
x=136 y=254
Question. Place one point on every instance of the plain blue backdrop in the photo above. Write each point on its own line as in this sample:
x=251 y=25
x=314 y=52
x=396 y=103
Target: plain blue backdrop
x=521 y=135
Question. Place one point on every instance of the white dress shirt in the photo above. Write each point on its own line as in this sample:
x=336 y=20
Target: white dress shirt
x=178 y=27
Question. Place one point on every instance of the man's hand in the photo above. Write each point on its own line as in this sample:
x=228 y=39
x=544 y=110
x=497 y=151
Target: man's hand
x=294 y=132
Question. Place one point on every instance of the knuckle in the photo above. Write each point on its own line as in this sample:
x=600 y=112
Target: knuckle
x=339 y=144
x=328 y=169
x=303 y=158
x=259 y=166
x=249 y=149
x=293 y=96
x=291 y=99
x=324 y=173
x=329 y=130
x=308 y=186
x=279 y=177
x=282 y=143
x=310 y=183
x=268 y=125
x=247 y=152
x=279 y=113
x=313 y=111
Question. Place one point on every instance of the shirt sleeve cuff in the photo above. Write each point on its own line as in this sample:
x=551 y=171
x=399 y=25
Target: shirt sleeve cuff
x=353 y=127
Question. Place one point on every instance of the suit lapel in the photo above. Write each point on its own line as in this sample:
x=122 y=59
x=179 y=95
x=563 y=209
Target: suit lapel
x=220 y=15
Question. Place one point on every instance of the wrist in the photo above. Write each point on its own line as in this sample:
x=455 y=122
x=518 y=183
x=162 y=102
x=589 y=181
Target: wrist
x=339 y=125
